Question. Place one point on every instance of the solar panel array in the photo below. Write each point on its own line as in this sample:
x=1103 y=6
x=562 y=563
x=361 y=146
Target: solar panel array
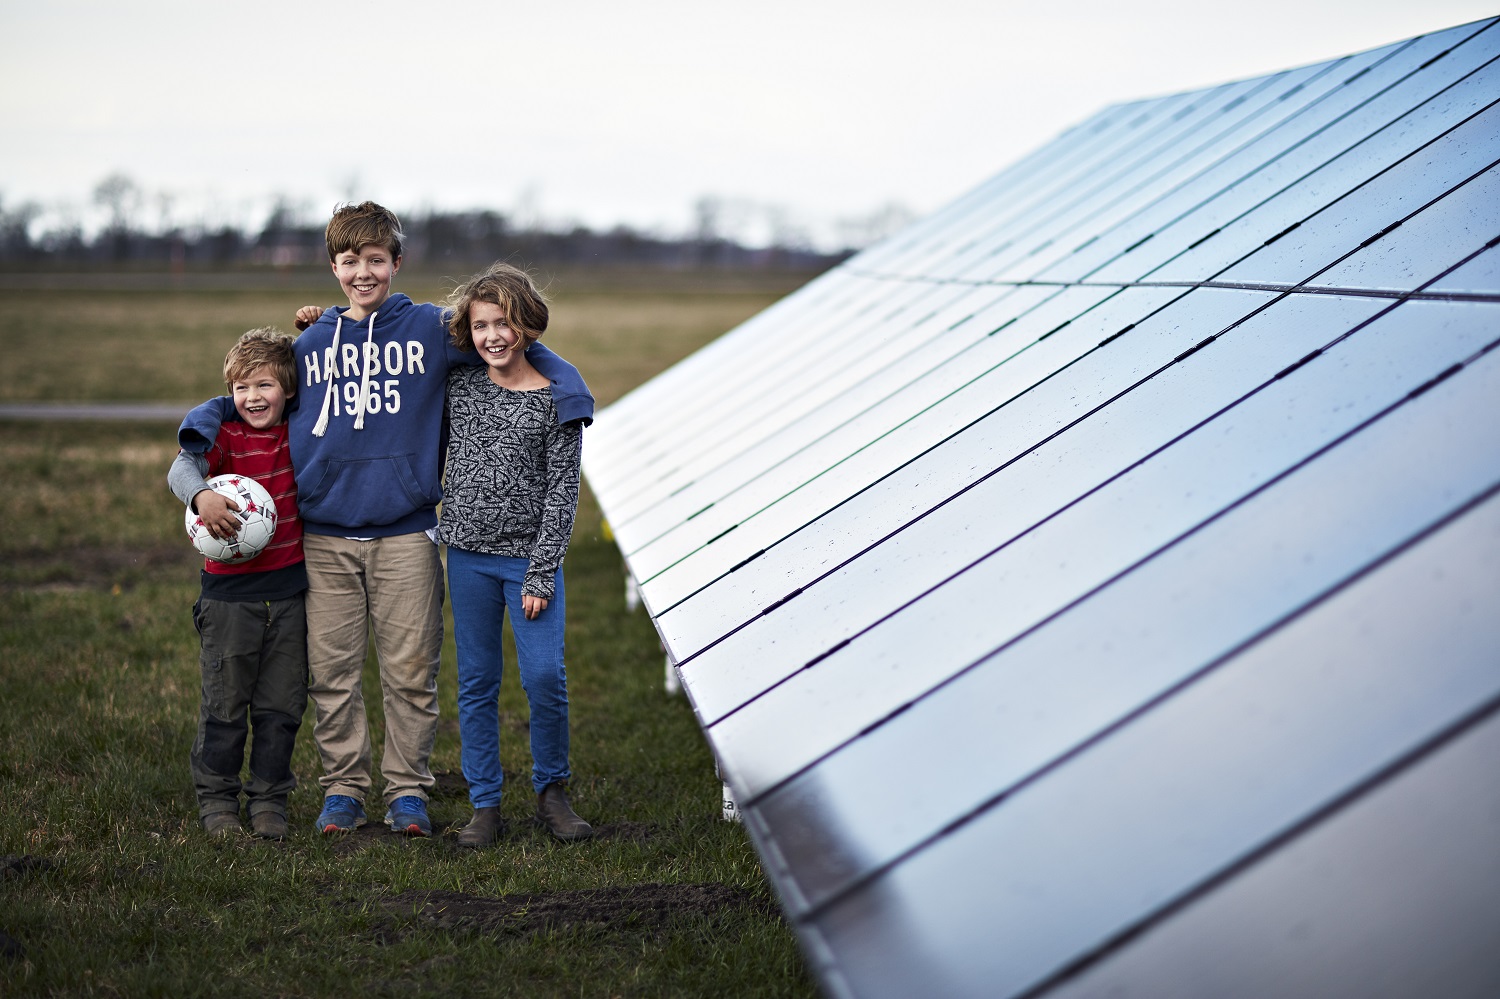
x=1095 y=588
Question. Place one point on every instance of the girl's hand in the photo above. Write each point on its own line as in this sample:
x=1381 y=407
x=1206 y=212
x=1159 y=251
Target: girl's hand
x=532 y=606
x=307 y=315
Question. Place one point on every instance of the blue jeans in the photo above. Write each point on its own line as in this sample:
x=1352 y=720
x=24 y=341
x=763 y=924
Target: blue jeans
x=482 y=588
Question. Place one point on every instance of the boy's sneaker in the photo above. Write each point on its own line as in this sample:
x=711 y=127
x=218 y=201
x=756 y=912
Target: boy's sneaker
x=408 y=815
x=268 y=825
x=340 y=814
x=222 y=825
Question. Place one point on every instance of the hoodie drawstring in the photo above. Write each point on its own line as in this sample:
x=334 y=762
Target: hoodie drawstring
x=364 y=385
x=321 y=426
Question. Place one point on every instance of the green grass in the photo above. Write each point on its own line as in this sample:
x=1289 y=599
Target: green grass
x=105 y=879
x=160 y=345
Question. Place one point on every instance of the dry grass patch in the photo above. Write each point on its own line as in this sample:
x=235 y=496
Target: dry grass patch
x=169 y=346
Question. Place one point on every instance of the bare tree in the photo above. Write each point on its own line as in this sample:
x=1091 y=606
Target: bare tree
x=165 y=202
x=15 y=228
x=861 y=231
x=706 y=212
x=122 y=196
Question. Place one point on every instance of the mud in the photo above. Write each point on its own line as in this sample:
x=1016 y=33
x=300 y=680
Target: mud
x=12 y=949
x=87 y=568
x=647 y=908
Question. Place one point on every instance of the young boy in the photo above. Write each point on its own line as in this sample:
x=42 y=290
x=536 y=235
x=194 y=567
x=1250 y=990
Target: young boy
x=508 y=505
x=366 y=439
x=250 y=615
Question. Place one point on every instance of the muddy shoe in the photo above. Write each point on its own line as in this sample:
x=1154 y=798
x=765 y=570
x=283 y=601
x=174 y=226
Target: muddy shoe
x=222 y=825
x=484 y=828
x=268 y=825
x=554 y=812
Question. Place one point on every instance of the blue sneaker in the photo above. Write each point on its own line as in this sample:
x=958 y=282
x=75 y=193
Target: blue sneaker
x=408 y=814
x=340 y=814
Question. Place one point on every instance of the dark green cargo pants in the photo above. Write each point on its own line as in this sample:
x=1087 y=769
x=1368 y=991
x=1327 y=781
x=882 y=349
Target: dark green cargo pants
x=254 y=666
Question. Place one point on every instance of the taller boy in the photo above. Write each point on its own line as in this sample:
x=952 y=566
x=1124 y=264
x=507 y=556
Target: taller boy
x=366 y=444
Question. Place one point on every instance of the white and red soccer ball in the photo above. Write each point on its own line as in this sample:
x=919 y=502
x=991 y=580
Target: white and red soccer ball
x=257 y=514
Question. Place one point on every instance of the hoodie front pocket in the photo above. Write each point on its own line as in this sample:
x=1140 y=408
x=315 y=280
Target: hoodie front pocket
x=359 y=492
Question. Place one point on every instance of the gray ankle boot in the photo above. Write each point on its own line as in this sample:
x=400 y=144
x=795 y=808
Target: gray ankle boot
x=554 y=812
x=484 y=828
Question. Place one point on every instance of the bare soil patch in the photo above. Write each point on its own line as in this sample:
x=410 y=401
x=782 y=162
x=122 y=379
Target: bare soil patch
x=91 y=568
x=648 y=908
x=444 y=834
x=16 y=867
x=12 y=949
x=450 y=783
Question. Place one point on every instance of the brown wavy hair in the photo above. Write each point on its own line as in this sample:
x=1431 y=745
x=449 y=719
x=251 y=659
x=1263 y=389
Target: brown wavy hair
x=262 y=348
x=354 y=227
x=508 y=287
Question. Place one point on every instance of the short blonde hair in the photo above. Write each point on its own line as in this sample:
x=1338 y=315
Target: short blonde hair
x=354 y=227
x=262 y=348
x=508 y=287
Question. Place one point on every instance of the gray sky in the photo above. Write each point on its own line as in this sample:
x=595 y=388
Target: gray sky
x=809 y=112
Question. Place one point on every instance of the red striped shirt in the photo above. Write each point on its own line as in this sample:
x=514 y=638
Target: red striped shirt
x=265 y=456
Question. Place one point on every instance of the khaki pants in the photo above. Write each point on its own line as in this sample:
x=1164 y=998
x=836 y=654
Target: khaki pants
x=393 y=588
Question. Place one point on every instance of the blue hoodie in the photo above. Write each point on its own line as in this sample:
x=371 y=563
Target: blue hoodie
x=376 y=470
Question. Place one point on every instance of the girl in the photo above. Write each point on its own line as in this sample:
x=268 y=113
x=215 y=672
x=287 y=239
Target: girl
x=509 y=496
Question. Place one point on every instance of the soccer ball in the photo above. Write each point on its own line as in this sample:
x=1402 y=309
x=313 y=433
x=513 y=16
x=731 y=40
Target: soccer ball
x=257 y=515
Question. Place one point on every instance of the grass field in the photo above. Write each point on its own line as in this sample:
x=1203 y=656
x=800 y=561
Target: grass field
x=155 y=345
x=107 y=887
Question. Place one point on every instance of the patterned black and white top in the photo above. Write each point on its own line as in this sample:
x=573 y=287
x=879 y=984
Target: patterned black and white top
x=511 y=484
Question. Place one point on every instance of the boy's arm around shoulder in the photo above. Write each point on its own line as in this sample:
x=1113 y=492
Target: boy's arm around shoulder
x=570 y=395
x=200 y=427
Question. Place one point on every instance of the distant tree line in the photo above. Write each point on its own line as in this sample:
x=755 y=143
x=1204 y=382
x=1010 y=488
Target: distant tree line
x=435 y=238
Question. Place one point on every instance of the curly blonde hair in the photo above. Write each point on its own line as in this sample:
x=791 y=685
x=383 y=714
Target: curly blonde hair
x=265 y=347
x=508 y=287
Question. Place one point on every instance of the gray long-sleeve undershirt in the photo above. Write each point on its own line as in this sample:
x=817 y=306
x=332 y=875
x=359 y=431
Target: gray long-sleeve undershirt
x=188 y=476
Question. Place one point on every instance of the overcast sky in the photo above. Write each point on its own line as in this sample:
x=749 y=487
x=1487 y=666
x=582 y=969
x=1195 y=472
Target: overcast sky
x=603 y=113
